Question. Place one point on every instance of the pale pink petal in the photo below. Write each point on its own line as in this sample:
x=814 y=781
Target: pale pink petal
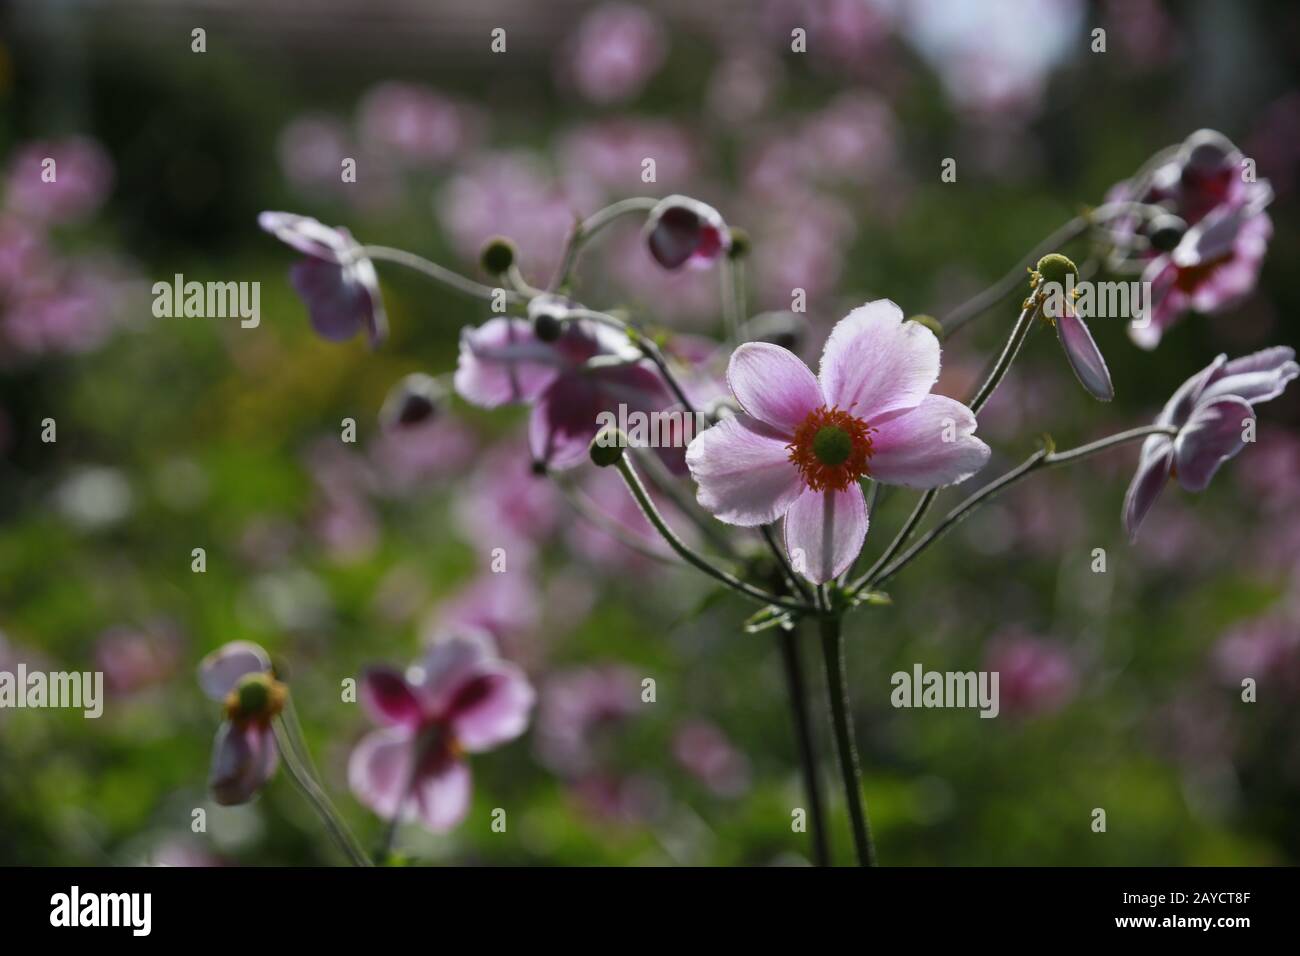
x=1211 y=436
x=492 y=707
x=442 y=797
x=222 y=670
x=446 y=667
x=743 y=471
x=502 y=361
x=379 y=770
x=773 y=385
x=931 y=446
x=1150 y=479
x=874 y=363
x=824 y=531
x=1084 y=356
x=244 y=758
x=389 y=700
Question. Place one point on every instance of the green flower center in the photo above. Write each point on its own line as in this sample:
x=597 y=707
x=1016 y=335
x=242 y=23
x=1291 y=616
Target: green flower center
x=254 y=695
x=832 y=445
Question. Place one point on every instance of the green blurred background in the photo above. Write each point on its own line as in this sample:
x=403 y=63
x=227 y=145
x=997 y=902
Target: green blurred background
x=174 y=434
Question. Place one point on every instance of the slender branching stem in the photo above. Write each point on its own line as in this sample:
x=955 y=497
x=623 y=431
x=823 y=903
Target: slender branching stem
x=310 y=789
x=437 y=273
x=797 y=690
x=845 y=745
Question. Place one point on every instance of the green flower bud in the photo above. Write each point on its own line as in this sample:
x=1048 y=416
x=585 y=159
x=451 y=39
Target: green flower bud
x=740 y=243
x=1055 y=267
x=498 y=255
x=607 y=447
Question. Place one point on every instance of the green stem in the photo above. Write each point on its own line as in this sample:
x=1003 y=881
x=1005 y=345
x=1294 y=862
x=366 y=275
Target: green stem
x=301 y=776
x=1038 y=460
x=584 y=230
x=1019 y=332
x=435 y=272
x=845 y=747
x=652 y=515
x=797 y=690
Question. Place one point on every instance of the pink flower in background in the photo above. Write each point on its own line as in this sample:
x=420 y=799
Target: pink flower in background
x=419 y=440
x=244 y=755
x=1266 y=650
x=505 y=606
x=803 y=443
x=578 y=707
x=799 y=243
x=415 y=124
x=1210 y=411
x=1035 y=676
x=1213 y=267
x=459 y=698
x=72 y=307
x=311 y=150
x=610 y=154
x=617 y=49
x=338 y=285
x=133 y=659
x=23 y=253
x=69 y=191
x=507 y=504
x=503 y=361
x=704 y=751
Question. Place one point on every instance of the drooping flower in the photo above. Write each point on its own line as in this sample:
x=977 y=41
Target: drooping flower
x=460 y=698
x=1053 y=280
x=503 y=361
x=244 y=756
x=683 y=231
x=804 y=442
x=338 y=285
x=1211 y=411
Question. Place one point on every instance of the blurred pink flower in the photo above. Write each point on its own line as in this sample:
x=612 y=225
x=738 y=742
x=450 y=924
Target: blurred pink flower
x=618 y=47
x=459 y=698
x=78 y=182
x=504 y=605
x=610 y=154
x=1035 y=676
x=244 y=755
x=311 y=150
x=415 y=124
x=578 y=706
x=704 y=751
x=507 y=504
x=1266 y=649
x=133 y=659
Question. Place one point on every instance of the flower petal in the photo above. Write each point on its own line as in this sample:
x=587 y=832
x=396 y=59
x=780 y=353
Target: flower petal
x=1260 y=377
x=221 y=670
x=388 y=699
x=743 y=471
x=305 y=234
x=1149 y=480
x=824 y=531
x=773 y=385
x=244 y=757
x=379 y=769
x=1211 y=436
x=337 y=305
x=874 y=363
x=930 y=446
x=1084 y=356
x=491 y=708
x=502 y=361
x=442 y=797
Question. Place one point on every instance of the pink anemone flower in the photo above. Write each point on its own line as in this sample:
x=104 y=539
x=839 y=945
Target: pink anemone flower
x=504 y=361
x=1210 y=411
x=804 y=441
x=244 y=755
x=460 y=698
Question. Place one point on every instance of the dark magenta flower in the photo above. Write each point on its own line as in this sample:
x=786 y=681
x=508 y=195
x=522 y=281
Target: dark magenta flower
x=803 y=443
x=460 y=698
x=503 y=361
x=1210 y=410
x=683 y=231
x=244 y=756
x=337 y=283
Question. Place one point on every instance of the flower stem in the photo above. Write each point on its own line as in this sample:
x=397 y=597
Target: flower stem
x=1019 y=332
x=435 y=272
x=301 y=776
x=837 y=691
x=797 y=690
x=586 y=228
x=1043 y=458
x=652 y=515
